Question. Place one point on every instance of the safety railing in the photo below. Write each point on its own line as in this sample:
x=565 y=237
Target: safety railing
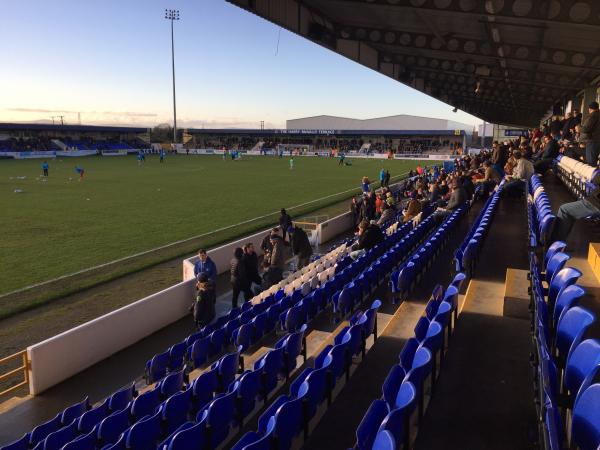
x=6 y=377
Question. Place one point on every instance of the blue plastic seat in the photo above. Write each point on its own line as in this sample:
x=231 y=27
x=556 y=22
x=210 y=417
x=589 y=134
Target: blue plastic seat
x=242 y=336
x=580 y=363
x=293 y=346
x=384 y=440
x=111 y=427
x=176 y=356
x=391 y=385
x=369 y=425
x=120 y=399
x=313 y=390
x=259 y=325
x=145 y=434
x=217 y=339
x=555 y=264
x=75 y=411
x=571 y=328
x=157 y=367
x=421 y=328
x=567 y=298
x=458 y=280
x=231 y=326
x=84 y=442
x=197 y=354
x=219 y=416
x=57 y=439
x=193 y=338
x=286 y=423
x=194 y=437
x=586 y=419
x=172 y=384
x=40 y=432
x=204 y=388
x=247 y=389
x=557 y=246
x=408 y=353
x=176 y=409
x=145 y=404
x=91 y=418
x=563 y=278
x=164 y=444
x=370 y=326
x=270 y=366
x=227 y=367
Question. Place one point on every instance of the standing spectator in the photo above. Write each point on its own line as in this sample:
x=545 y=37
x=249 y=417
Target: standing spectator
x=251 y=262
x=266 y=246
x=354 y=211
x=285 y=221
x=278 y=254
x=590 y=135
x=203 y=308
x=365 y=184
x=45 y=167
x=300 y=245
x=239 y=278
x=387 y=178
x=382 y=177
x=270 y=277
x=205 y=265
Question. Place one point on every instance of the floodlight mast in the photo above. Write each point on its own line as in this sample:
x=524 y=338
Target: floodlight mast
x=173 y=15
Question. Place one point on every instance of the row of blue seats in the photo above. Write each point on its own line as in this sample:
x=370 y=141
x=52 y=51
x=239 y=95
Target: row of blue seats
x=566 y=365
x=342 y=277
x=539 y=214
x=466 y=256
x=404 y=278
x=140 y=422
x=575 y=175
x=290 y=415
x=387 y=423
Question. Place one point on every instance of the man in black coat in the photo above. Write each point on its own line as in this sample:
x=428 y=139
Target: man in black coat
x=239 y=277
x=300 y=245
x=285 y=221
x=251 y=262
x=547 y=156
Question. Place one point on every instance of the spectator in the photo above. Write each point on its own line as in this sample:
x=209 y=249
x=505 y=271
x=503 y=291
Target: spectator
x=251 y=262
x=517 y=182
x=382 y=177
x=434 y=192
x=365 y=184
x=499 y=157
x=206 y=265
x=458 y=197
x=203 y=308
x=386 y=180
x=413 y=208
x=239 y=278
x=546 y=158
x=390 y=200
x=387 y=214
x=278 y=254
x=285 y=221
x=590 y=135
x=300 y=245
x=568 y=213
x=490 y=179
x=271 y=275
x=355 y=211
x=369 y=235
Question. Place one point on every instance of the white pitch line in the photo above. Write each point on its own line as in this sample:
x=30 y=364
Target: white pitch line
x=172 y=244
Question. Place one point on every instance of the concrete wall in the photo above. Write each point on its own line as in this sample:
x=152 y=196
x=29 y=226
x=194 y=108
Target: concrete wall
x=334 y=227
x=62 y=356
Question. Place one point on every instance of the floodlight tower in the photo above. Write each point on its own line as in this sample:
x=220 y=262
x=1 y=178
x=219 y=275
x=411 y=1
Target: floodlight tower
x=173 y=15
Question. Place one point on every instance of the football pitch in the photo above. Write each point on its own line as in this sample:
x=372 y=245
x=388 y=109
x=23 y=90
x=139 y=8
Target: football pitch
x=60 y=225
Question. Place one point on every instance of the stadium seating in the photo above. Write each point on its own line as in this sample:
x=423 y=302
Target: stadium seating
x=575 y=175
x=539 y=213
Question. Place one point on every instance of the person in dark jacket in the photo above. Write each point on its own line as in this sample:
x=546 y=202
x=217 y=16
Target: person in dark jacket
x=251 y=262
x=271 y=275
x=206 y=265
x=285 y=221
x=499 y=157
x=590 y=135
x=568 y=213
x=369 y=235
x=547 y=156
x=300 y=245
x=239 y=278
x=203 y=308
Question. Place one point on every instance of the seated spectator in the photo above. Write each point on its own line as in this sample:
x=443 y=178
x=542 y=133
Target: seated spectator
x=205 y=265
x=517 y=182
x=568 y=213
x=390 y=200
x=369 y=235
x=387 y=214
x=490 y=180
x=458 y=197
x=413 y=208
x=203 y=308
x=546 y=156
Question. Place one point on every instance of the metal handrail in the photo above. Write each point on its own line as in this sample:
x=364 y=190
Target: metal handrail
x=24 y=369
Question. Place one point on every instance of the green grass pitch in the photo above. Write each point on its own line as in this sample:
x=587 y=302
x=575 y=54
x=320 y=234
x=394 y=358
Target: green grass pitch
x=60 y=226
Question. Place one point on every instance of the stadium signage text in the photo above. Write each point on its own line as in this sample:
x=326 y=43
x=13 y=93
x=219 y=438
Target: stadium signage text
x=318 y=132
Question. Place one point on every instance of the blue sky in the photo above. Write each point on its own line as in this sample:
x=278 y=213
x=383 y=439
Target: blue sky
x=110 y=60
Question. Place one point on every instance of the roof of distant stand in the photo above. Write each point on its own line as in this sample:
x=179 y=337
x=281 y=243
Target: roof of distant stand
x=506 y=61
x=69 y=128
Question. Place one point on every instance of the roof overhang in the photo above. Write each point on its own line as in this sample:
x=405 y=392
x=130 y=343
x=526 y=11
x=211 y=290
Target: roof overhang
x=505 y=61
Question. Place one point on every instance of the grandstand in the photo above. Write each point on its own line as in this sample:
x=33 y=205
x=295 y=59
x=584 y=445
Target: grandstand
x=467 y=325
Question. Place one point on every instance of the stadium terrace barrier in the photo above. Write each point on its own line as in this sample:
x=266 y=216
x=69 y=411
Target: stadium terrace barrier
x=334 y=227
x=62 y=356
